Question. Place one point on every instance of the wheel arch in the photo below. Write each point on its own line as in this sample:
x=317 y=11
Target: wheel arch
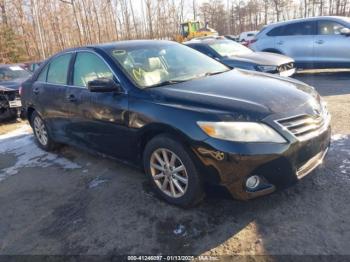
x=30 y=111
x=272 y=50
x=210 y=175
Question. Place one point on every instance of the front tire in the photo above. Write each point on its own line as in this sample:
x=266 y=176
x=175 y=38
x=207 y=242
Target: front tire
x=42 y=137
x=172 y=172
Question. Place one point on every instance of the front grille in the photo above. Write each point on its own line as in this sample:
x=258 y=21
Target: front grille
x=285 y=67
x=305 y=127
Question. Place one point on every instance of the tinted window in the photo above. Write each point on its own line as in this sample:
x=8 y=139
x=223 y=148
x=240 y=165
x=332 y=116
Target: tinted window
x=58 y=70
x=88 y=67
x=329 y=28
x=43 y=74
x=276 y=31
x=303 y=28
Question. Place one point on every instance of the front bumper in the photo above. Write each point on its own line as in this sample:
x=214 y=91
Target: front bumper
x=288 y=73
x=279 y=165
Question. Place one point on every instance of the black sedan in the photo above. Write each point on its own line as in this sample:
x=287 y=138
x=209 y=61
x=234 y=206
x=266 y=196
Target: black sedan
x=185 y=117
x=236 y=55
x=11 y=78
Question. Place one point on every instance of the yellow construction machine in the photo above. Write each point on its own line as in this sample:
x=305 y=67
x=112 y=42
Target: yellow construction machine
x=194 y=29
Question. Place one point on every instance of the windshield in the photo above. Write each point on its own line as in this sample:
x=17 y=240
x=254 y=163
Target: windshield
x=164 y=64
x=12 y=73
x=229 y=48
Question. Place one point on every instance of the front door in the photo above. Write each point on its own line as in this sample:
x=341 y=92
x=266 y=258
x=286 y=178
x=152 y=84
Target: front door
x=331 y=47
x=99 y=120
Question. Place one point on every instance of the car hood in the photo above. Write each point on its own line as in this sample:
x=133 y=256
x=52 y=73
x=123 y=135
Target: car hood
x=13 y=84
x=261 y=58
x=242 y=92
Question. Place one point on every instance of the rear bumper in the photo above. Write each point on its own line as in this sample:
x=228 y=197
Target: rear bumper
x=278 y=165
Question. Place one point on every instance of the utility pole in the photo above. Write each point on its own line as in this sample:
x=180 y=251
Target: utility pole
x=39 y=29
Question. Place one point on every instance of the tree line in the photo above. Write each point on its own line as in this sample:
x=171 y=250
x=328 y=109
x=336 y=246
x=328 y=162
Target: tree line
x=32 y=30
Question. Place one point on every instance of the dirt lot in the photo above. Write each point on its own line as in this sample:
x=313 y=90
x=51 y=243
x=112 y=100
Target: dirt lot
x=71 y=202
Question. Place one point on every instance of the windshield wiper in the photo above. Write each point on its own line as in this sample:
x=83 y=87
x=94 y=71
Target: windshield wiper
x=214 y=73
x=167 y=82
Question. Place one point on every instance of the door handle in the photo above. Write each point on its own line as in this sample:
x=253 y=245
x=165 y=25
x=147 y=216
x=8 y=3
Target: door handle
x=71 y=98
x=36 y=90
x=320 y=42
x=280 y=42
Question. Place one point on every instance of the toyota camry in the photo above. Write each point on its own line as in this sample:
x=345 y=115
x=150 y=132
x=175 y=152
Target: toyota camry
x=185 y=118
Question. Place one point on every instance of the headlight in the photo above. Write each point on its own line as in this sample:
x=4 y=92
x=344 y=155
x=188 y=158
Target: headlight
x=241 y=131
x=267 y=68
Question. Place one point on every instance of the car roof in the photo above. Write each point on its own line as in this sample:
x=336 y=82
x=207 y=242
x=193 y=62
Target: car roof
x=118 y=44
x=316 y=18
x=130 y=43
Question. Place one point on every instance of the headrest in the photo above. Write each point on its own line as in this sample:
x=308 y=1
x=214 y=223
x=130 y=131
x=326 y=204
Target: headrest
x=154 y=63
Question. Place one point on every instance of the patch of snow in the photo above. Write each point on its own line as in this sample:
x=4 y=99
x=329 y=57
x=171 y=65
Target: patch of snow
x=337 y=137
x=96 y=182
x=180 y=230
x=340 y=152
x=20 y=143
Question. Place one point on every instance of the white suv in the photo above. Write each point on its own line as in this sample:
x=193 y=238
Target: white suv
x=318 y=42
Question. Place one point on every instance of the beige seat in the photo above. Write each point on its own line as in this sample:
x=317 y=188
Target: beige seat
x=156 y=73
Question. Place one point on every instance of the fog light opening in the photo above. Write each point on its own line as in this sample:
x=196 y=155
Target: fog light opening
x=252 y=182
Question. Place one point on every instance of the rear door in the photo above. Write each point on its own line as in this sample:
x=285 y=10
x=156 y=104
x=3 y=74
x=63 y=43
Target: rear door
x=297 y=41
x=98 y=120
x=49 y=92
x=331 y=47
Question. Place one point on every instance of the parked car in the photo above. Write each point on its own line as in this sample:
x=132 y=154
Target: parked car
x=232 y=37
x=234 y=54
x=184 y=117
x=245 y=38
x=318 y=42
x=31 y=66
x=11 y=77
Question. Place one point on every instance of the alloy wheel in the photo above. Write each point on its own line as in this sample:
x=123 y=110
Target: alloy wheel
x=169 y=173
x=40 y=131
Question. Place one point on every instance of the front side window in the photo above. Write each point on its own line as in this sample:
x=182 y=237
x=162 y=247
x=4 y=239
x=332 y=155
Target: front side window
x=88 y=67
x=58 y=70
x=164 y=64
x=329 y=28
x=229 y=48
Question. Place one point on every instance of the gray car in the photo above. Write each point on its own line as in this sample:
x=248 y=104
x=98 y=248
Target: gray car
x=318 y=42
x=236 y=55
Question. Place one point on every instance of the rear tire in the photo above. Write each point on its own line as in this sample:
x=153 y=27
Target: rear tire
x=42 y=136
x=172 y=172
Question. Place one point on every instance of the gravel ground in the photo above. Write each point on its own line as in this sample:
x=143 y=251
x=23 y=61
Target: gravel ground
x=71 y=202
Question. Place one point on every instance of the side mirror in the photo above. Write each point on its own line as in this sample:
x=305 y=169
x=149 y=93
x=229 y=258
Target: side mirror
x=345 y=31
x=104 y=85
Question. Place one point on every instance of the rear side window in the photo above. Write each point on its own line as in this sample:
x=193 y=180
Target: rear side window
x=58 y=70
x=302 y=28
x=277 y=31
x=43 y=74
x=329 y=28
x=88 y=67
